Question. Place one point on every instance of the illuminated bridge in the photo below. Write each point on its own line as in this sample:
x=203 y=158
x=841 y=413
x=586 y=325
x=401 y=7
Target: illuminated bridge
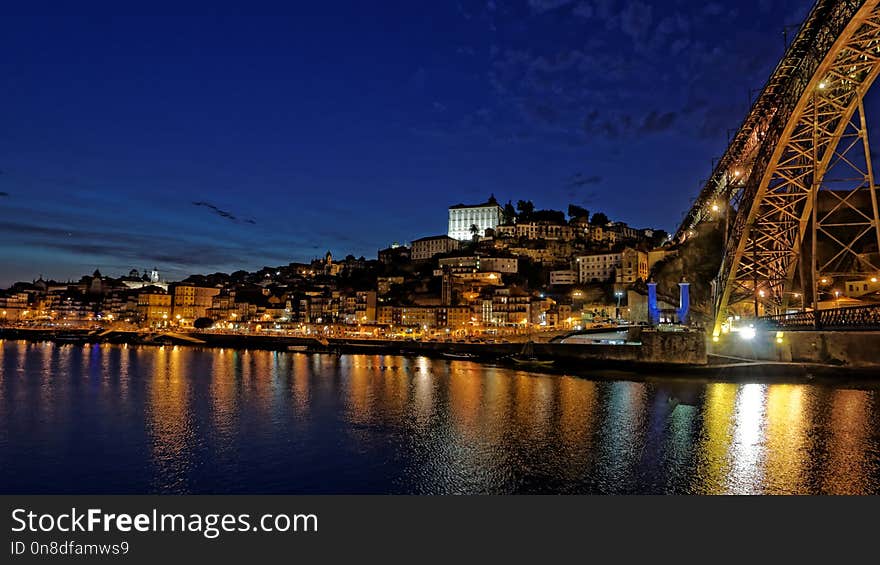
x=795 y=192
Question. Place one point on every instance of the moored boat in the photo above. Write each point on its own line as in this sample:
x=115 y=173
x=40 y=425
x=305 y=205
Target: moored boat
x=460 y=356
x=527 y=357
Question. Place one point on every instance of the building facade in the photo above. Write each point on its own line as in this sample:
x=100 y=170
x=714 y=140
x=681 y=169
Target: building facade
x=154 y=308
x=538 y=230
x=562 y=278
x=426 y=248
x=463 y=216
x=598 y=267
x=633 y=266
x=505 y=265
x=192 y=302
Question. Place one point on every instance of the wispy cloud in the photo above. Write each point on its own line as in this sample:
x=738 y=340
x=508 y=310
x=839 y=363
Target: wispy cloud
x=579 y=179
x=222 y=213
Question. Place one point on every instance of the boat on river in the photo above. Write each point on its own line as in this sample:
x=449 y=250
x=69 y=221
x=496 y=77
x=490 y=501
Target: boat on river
x=460 y=356
x=527 y=357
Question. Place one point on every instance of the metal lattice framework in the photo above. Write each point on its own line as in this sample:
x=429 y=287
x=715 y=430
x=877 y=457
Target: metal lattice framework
x=806 y=132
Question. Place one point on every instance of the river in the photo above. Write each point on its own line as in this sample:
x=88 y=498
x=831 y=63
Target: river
x=126 y=419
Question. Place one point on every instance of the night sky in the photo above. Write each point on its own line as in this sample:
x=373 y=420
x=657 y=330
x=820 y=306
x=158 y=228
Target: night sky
x=258 y=135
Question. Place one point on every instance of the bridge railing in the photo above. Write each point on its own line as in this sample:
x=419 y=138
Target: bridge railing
x=849 y=318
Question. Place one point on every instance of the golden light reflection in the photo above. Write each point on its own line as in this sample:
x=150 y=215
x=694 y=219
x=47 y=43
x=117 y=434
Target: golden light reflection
x=169 y=425
x=423 y=392
x=360 y=396
x=715 y=439
x=225 y=399
x=301 y=386
x=465 y=398
x=787 y=433
x=578 y=409
x=852 y=419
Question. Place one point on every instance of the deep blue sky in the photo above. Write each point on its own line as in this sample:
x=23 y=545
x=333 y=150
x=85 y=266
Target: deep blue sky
x=350 y=125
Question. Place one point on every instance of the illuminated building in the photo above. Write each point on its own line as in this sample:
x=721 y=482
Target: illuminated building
x=861 y=287
x=633 y=266
x=192 y=302
x=463 y=216
x=154 y=307
x=538 y=230
x=365 y=307
x=454 y=317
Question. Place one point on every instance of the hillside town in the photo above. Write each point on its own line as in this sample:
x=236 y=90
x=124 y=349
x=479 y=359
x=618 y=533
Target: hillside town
x=500 y=269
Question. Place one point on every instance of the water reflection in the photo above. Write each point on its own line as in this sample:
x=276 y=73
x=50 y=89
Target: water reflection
x=175 y=419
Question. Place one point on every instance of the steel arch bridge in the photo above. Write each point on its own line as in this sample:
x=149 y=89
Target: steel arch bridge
x=795 y=191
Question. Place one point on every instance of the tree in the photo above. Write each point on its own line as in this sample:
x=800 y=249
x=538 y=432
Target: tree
x=578 y=212
x=508 y=214
x=525 y=207
x=599 y=219
x=552 y=216
x=660 y=237
x=203 y=323
x=475 y=231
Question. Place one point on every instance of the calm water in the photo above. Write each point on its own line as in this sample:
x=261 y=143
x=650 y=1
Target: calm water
x=179 y=420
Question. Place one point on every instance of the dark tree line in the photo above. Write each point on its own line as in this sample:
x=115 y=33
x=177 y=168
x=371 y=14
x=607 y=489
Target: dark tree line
x=524 y=211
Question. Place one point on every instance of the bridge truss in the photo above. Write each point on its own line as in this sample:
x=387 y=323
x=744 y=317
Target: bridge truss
x=806 y=134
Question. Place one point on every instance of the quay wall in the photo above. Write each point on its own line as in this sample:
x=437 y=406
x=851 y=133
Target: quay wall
x=846 y=349
x=654 y=348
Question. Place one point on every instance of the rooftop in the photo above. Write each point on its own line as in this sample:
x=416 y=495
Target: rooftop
x=433 y=238
x=491 y=203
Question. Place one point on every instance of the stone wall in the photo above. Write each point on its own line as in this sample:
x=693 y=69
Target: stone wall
x=849 y=349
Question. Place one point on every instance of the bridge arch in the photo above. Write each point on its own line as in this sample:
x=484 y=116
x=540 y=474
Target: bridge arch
x=807 y=128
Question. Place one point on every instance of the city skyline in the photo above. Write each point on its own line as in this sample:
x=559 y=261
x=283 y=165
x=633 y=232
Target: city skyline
x=205 y=142
x=481 y=247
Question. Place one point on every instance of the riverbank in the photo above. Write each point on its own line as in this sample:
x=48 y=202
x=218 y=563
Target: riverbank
x=654 y=350
x=666 y=353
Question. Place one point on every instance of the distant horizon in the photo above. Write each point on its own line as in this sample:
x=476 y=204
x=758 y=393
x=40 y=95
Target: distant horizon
x=183 y=275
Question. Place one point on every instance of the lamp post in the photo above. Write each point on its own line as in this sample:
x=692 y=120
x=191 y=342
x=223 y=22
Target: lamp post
x=619 y=295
